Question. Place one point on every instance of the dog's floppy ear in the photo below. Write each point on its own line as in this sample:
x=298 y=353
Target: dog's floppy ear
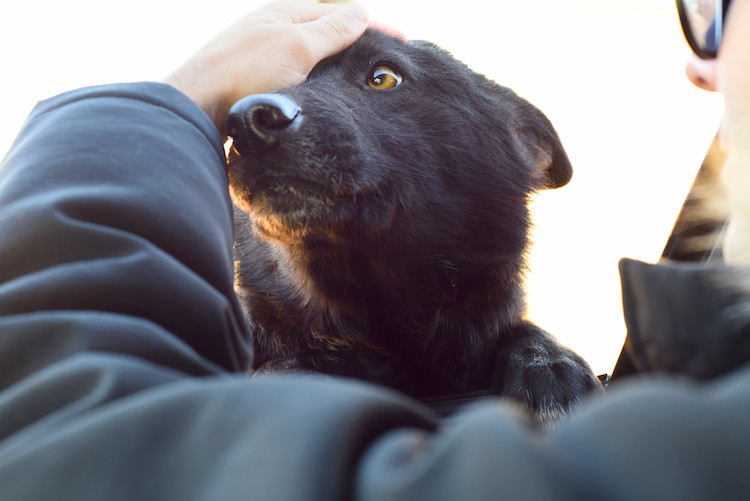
x=540 y=144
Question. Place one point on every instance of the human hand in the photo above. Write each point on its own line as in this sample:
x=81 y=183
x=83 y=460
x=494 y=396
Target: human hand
x=274 y=47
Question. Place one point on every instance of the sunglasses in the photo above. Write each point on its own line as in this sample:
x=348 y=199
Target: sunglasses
x=703 y=22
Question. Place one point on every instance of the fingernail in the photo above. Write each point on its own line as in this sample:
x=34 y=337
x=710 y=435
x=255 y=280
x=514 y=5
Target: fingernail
x=358 y=13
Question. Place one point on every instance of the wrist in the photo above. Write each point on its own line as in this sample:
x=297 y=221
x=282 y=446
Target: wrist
x=191 y=80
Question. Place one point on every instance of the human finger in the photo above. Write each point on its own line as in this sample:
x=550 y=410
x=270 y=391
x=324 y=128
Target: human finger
x=334 y=32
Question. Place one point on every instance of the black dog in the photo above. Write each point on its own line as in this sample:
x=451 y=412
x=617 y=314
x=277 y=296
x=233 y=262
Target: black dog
x=384 y=224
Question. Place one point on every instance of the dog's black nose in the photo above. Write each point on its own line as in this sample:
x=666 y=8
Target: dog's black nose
x=255 y=122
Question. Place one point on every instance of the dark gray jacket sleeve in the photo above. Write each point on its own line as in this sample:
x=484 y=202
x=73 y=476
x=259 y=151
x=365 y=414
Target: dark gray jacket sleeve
x=114 y=213
x=122 y=355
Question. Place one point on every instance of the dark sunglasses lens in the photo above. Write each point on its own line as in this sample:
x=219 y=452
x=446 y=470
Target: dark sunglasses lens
x=699 y=23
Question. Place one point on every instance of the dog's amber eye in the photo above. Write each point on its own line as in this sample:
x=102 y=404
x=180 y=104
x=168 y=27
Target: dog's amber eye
x=383 y=78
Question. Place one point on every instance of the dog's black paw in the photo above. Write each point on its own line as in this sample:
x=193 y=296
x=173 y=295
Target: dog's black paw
x=281 y=366
x=545 y=378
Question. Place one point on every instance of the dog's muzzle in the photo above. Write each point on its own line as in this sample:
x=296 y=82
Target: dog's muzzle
x=255 y=122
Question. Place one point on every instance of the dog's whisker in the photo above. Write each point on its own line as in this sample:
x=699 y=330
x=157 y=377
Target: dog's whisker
x=353 y=189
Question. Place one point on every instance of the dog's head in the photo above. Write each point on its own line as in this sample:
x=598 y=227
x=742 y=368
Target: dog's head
x=392 y=133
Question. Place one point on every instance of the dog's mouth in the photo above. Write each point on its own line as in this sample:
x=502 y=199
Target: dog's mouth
x=291 y=197
x=289 y=202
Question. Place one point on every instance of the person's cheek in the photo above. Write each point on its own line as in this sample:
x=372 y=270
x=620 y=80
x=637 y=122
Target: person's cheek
x=733 y=81
x=733 y=77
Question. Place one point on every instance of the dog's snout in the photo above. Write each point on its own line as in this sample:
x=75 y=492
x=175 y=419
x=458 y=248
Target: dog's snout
x=255 y=122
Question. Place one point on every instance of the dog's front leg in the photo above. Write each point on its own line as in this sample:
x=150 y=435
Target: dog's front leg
x=546 y=378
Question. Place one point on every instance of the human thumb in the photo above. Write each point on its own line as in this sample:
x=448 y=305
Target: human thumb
x=336 y=31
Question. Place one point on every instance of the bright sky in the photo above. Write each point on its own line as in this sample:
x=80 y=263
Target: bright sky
x=608 y=73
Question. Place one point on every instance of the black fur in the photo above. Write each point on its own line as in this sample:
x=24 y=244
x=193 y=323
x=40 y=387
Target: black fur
x=382 y=233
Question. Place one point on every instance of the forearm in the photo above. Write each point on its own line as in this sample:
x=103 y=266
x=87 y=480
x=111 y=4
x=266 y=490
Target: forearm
x=113 y=203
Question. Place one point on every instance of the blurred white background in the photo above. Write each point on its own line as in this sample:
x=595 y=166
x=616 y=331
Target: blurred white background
x=608 y=73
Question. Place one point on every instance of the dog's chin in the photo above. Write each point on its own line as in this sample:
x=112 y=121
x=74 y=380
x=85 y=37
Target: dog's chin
x=281 y=229
x=293 y=210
